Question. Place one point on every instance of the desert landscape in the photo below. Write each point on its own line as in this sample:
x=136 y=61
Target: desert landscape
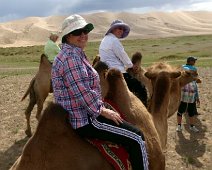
x=35 y=30
x=185 y=151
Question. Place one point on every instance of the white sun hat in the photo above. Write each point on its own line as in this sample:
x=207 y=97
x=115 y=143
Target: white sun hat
x=75 y=22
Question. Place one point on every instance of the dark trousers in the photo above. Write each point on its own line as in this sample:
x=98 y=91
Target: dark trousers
x=124 y=134
x=136 y=87
x=187 y=107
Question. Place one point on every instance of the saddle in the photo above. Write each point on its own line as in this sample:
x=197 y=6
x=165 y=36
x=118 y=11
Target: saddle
x=115 y=154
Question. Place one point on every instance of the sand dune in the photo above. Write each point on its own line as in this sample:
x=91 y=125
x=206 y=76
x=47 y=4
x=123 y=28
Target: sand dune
x=35 y=30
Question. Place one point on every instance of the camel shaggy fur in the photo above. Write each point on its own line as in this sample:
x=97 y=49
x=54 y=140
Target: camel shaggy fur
x=139 y=74
x=175 y=93
x=55 y=146
x=114 y=89
x=161 y=75
x=38 y=90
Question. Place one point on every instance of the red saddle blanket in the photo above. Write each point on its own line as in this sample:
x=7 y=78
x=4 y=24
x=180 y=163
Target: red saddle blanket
x=115 y=154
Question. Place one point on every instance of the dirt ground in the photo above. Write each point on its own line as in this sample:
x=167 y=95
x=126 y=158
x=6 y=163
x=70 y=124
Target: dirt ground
x=185 y=150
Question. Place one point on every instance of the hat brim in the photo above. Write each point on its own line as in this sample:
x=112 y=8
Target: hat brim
x=88 y=26
x=125 y=26
x=191 y=59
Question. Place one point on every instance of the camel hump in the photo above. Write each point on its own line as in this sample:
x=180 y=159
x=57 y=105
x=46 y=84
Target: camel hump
x=53 y=116
x=44 y=61
x=43 y=58
x=136 y=58
x=29 y=88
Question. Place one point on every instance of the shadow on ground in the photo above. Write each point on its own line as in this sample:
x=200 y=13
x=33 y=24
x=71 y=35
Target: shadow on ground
x=12 y=154
x=191 y=148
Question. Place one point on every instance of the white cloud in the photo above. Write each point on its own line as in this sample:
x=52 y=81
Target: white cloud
x=14 y=9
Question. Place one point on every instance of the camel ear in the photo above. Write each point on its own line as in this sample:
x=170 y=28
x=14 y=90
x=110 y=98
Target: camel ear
x=175 y=74
x=150 y=75
x=199 y=80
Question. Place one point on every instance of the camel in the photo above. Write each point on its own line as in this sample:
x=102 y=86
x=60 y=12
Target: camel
x=175 y=93
x=161 y=75
x=55 y=146
x=114 y=89
x=38 y=90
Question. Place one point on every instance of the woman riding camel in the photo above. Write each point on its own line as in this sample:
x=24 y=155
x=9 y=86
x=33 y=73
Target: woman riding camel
x=76 y=87
x=113 y=54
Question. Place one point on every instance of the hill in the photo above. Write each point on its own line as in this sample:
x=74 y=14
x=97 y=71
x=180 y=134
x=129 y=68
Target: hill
x=35 y=30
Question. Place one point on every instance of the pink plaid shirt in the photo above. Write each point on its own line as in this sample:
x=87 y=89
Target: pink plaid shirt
x=76 y=85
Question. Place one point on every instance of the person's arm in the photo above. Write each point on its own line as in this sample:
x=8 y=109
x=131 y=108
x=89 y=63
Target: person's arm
x=78 y=82
x=121 y=54
x=112 y=115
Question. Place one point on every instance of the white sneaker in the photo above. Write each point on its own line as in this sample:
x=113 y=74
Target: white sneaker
x=194 y=129
x=179 y=128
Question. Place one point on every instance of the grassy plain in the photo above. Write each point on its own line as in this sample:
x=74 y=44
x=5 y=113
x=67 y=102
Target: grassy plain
x=25 y=60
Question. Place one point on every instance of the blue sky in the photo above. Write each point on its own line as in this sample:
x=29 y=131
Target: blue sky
x=19 y=9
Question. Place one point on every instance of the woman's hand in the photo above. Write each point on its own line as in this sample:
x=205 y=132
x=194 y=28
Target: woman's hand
x=110 y=114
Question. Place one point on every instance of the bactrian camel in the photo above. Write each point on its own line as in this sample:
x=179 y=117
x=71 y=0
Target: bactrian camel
x=54 y=144
x=161 y=75
x=175 y=93
x=38 y=90
x=114 y=89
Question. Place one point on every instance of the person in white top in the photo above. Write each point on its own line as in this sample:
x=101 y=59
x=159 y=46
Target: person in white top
x=113 y=54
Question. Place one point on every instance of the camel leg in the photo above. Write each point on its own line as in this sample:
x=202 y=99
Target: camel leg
x=28 y=111
x=40 y=103
x=39 y=109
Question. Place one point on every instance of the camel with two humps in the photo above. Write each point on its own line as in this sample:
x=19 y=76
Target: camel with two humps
x=38 y=90
x=166 y=81
x=161 y=75
x=114 y=89
x=175 y=92
x=54 y=145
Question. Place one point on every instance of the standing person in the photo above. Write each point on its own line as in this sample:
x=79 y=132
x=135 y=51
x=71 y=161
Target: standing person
x=51 y=49
x=189 y=98
x=113 y=54
x=76 y=87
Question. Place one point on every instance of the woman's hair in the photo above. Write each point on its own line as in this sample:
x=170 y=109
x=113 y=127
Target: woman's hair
x=64 y=39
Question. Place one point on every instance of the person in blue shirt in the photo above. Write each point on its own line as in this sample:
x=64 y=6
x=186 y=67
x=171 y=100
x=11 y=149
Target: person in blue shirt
x=189 y=98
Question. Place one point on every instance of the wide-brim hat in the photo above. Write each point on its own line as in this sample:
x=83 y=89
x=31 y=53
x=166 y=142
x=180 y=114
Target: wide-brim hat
x=119 y=23
x=75 y=22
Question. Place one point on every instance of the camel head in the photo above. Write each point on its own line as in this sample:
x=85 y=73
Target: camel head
x=161 y=75
x=114 y=77
x=102 y=69
x=111 y=80
x=187 y=76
